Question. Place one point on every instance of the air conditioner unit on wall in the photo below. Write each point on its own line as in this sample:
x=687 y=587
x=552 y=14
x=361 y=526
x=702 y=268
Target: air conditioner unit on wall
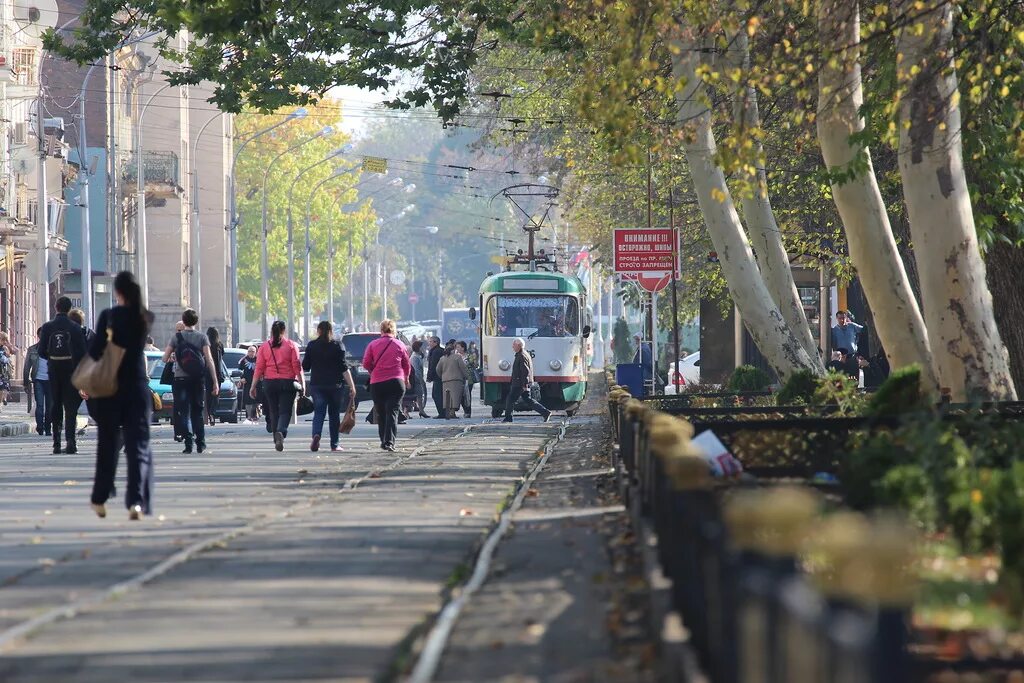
x=25 y=13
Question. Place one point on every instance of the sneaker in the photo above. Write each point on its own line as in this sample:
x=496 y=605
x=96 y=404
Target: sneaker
x=547 y=416
x=278 y=441
x=315 y=444
x=336 y=449
x=135 y=513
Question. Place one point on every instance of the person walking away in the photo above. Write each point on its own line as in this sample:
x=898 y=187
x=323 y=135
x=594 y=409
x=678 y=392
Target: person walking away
x=473 y=362
x=434 y=354
x=248 y=367
x=419 y=382
x=77 y=316
x=62 y=346
x=123 y=419
x=150 y=346
x=217 y=353
x=179 y=411
x=36 y=372
x=454 y=374
x=389 y=366
x=522 y=378
x=330 y=383
x=193 y=365
x=277 y=364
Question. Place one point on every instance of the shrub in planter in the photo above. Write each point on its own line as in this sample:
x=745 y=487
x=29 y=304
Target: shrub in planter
x=901 y=394
x=798 y=390
x=748 y=378
x=836 y=389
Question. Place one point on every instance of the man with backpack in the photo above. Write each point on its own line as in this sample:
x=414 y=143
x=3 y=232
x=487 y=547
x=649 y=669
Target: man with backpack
x=62 y=345
x=193 y=367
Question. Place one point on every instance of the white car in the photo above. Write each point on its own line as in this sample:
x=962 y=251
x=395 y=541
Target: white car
x=687 y=371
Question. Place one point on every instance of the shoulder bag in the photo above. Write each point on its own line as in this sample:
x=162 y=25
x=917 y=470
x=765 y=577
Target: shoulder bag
x=98 y=378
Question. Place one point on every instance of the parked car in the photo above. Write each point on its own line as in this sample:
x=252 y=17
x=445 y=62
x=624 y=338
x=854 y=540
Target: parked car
x=227 y=400
x=687 y=371
x=232 y=357
x=355 y=347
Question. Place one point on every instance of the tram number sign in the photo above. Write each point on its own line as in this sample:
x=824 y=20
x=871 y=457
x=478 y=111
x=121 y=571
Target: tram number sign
x=645 y=250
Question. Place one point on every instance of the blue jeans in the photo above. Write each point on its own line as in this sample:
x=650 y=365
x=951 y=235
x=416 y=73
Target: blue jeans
x=329 y=400
x=41 y=392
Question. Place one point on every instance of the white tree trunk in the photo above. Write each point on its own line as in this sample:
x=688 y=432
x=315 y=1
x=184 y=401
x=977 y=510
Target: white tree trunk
x=898 y=320
x=765 y=323
x=760 y=218
x=970 y=357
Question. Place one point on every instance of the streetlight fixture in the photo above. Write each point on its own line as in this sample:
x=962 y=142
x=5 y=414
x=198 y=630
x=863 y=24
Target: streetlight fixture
x=291 y=243
x=233 y=227
x=195 y=281
x=338 y=172
x=83 y=183
x=264 y=248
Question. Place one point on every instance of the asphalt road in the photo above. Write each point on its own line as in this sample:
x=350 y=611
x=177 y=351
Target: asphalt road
x=256 y=565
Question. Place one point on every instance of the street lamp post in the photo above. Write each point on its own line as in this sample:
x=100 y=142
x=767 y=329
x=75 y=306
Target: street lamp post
x=195 y=280
x=83 y=184
x=264 y=248
x=341 y=170
x=141 y=242
x=233 y=227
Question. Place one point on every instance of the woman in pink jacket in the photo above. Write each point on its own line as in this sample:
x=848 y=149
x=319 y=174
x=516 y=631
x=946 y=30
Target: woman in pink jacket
x=388 y=362
x=277 y=363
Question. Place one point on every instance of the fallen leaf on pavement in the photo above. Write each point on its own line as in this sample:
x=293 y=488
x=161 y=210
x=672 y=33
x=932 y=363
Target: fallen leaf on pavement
x=466 y=512
x=70 y=482
x=532 y=493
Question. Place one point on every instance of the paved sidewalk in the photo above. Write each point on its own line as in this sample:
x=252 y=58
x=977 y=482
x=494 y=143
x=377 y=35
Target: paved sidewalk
x=330 y=584
x=564 y=601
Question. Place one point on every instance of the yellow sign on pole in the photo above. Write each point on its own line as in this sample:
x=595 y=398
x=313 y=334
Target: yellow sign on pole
x=498 y=260
x=375 y=165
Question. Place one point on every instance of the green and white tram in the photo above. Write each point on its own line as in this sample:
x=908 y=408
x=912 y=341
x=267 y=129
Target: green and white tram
x=549 y=310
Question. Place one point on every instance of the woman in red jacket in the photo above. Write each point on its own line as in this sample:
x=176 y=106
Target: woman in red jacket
x=388 y=363
x=277 y=363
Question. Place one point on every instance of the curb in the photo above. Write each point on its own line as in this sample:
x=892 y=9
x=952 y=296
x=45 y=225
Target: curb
x=14 y=428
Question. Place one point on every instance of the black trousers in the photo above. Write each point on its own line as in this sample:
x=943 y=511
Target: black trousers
x=124 y=420
x=437 y=393
x=191 y=392
x=280 y=394
x=66 y=400
x=517 y=393
x=387 y=400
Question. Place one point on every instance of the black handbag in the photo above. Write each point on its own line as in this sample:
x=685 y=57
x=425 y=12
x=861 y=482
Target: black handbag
x=304 y=406
x=167 y=374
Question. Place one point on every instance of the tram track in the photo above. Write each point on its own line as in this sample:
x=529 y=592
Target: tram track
x=13 y=635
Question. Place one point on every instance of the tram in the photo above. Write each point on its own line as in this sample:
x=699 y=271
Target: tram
x=547 y=309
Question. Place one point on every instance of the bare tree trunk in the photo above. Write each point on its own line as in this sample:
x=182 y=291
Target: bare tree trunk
x=1005 y=264
x=760 y=217
x=900 y=325
x=762 y=317
x=969 y=353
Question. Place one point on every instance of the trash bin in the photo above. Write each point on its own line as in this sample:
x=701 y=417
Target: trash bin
x=630 y=375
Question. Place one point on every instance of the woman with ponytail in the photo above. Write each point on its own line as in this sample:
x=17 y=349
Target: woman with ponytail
x=125 y=417
x=277 y=363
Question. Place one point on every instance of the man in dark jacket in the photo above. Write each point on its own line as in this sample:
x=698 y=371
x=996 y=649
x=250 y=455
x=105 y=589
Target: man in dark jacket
x=434 y=354
x=62 y=345
x=522 y=378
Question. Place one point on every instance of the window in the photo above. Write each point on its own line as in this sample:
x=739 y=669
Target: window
x=24 y=64
x=532 y=316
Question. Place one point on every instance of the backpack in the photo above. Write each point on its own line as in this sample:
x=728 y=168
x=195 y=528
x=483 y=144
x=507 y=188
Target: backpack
x=59 y=345
x=189 y=358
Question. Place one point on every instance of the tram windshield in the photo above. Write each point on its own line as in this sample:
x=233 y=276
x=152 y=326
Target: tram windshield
x=532 y=316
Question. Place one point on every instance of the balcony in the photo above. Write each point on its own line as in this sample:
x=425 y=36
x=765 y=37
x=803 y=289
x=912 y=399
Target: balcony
x=161 y=173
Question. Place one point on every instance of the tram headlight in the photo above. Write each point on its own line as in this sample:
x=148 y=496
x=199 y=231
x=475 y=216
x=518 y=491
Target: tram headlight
x=555 y=364
x=504 y=365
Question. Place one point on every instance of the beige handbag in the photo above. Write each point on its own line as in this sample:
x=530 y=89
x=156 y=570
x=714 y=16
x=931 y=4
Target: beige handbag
x=98 y=378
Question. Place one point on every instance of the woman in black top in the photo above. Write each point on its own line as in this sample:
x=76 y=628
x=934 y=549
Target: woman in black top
x=217 y=351
x=124 y=417
x=325 y=363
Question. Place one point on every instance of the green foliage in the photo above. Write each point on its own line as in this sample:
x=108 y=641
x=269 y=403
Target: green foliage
x=798 y=390
x=837 y=389
x=621 y=348
x=900 y=394
x=748 y=378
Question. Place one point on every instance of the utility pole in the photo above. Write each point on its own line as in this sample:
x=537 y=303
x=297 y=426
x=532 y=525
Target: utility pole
x=42 y=223
x=675 y=265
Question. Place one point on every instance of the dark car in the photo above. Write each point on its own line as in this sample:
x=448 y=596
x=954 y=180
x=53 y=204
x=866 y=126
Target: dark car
x=355 y=348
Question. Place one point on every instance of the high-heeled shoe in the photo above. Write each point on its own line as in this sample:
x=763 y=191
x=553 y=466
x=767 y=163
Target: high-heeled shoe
x=135 y=512
x=100 y=509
